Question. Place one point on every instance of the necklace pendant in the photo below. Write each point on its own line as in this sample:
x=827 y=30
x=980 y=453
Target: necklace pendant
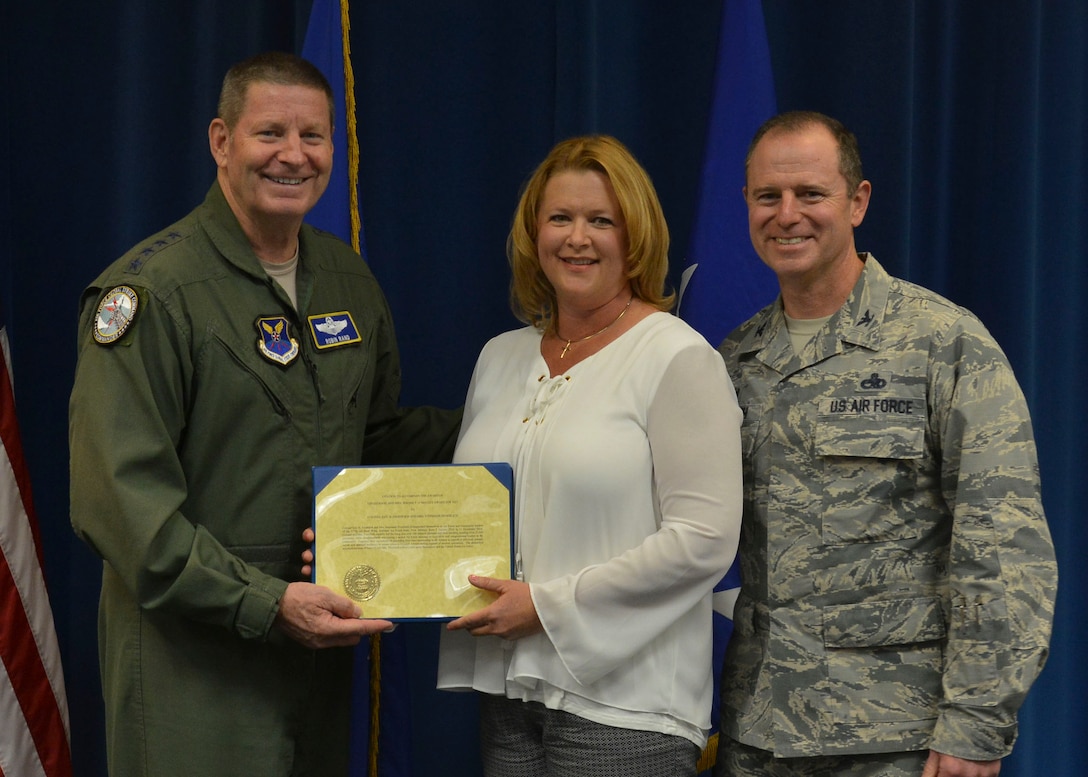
x=605 y=328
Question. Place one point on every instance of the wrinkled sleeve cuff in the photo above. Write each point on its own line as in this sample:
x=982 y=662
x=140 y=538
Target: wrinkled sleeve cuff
x=972 y=733
x=259 y=606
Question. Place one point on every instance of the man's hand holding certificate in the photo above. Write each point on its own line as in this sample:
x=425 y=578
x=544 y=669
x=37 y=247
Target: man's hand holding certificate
x=402 y=541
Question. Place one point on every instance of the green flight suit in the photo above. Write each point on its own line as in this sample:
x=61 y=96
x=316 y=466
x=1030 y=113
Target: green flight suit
x=194 y=422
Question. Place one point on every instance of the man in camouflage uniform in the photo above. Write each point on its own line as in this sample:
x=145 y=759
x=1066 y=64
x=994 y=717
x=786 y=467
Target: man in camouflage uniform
x=898 y=572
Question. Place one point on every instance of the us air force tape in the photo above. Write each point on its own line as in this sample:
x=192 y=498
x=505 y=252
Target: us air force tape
x=115 y=314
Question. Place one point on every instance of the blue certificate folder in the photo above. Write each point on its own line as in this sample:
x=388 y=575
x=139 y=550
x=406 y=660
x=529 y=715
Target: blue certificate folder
x=401 y=541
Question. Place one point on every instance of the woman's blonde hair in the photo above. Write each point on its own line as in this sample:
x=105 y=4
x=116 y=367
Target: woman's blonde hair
x=532 y=296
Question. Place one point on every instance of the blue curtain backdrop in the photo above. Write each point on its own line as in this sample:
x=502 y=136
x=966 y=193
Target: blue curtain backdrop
x=972 y=119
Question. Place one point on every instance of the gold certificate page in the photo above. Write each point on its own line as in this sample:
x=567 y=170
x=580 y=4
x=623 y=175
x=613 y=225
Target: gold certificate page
x=402 y=541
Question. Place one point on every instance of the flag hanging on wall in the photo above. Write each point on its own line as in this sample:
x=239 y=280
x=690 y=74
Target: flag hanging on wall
x=327 y=46
x=724 y=282
x=381 y=724
x=34 y=732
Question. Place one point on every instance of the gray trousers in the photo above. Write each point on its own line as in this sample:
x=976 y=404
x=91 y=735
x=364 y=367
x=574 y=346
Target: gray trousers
x=526 y=739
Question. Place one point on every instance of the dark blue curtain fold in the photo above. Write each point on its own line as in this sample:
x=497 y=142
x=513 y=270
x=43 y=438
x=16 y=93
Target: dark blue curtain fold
x=973 y=123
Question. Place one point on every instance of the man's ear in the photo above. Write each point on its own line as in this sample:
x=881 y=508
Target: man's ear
x=860 y=203
x=218 y=137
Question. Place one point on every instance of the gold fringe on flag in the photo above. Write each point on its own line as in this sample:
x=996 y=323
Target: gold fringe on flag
x=353 y=141
x=375 y=693
x=709 y=756
x=356 y=230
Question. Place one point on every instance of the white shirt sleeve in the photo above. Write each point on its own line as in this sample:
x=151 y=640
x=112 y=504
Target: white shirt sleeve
x=606 y=613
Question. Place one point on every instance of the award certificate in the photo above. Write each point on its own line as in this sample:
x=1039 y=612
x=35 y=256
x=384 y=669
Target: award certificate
x=402 y=541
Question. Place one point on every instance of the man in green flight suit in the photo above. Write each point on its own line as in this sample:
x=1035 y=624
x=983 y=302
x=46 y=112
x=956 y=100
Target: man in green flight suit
x=219 y=360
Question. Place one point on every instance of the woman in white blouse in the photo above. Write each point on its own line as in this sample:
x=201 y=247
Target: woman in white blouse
x=623 y=432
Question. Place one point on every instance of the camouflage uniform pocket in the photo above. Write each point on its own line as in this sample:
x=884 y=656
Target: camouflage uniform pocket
x=868 y=428
x=867 y=466
x=885 y=658
x=883 y=623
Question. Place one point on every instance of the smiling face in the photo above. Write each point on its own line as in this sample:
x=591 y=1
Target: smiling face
x=274 y=164
x=582 y=240
x=801 y=216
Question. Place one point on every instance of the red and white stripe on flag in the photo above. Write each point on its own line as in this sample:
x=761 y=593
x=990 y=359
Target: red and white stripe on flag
x=34 y=735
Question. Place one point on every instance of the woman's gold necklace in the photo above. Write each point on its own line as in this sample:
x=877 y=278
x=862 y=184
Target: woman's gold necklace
x=599 y=331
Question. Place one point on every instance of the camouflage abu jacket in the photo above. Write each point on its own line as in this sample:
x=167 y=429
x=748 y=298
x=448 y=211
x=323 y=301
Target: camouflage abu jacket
x=899 y=575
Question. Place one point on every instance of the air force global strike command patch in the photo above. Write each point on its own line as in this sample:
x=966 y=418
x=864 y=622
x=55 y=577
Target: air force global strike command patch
x=275 y=342
x=115 y=314
x=332 y=329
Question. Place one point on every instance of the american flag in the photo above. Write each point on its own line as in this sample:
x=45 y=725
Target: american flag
x=34 y=734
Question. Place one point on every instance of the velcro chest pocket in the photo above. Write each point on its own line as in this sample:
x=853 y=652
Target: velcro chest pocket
x=871 y=427
x=868 y=449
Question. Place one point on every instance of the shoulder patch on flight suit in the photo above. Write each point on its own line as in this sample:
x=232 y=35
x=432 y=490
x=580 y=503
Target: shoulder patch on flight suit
x=116 y=312
x=275 y=342
x=332 y=329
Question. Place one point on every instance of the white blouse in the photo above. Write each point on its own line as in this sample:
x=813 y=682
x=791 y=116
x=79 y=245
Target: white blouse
x=627 y=483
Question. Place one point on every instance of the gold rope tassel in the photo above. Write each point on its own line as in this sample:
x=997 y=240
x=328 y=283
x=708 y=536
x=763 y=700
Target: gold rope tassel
x=709 y=756
x=352 y=128
x=375 y=699
x=356 y=230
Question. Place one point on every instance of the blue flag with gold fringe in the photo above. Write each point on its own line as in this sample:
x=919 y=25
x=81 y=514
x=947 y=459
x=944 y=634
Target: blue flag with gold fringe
x=327 y=46
x=724 y=282
x=380 y=724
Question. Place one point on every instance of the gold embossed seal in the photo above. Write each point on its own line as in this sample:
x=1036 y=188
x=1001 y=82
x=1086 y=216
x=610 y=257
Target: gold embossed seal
x=362 y=582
